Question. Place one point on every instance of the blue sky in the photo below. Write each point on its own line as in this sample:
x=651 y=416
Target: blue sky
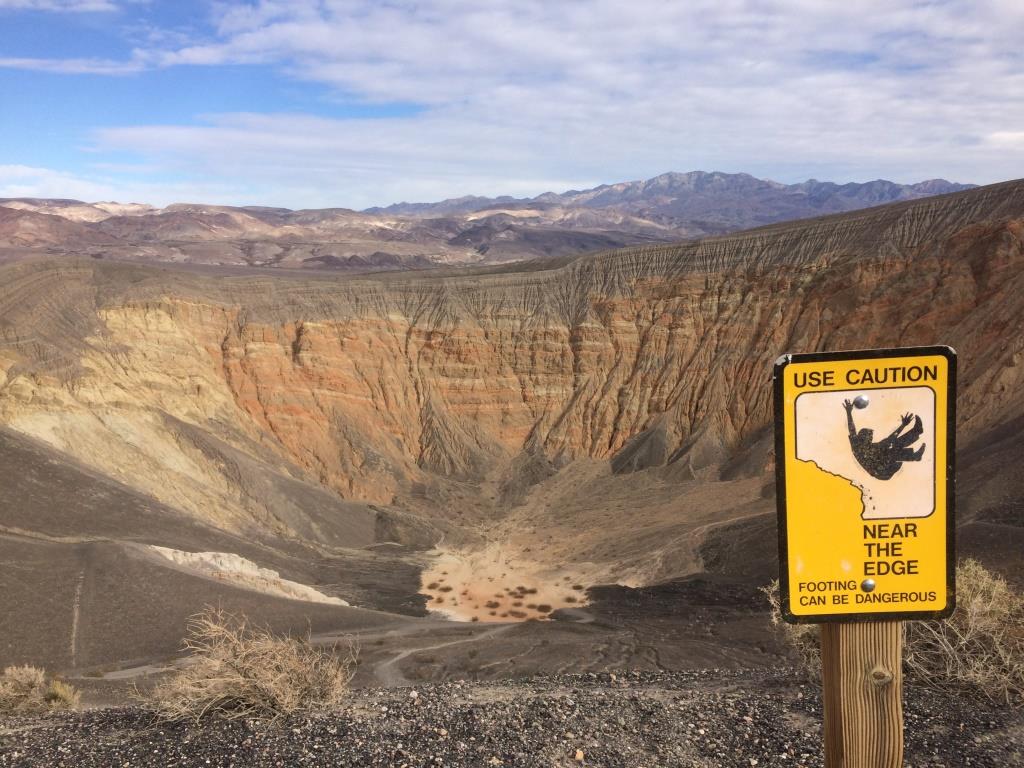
x=358 y=102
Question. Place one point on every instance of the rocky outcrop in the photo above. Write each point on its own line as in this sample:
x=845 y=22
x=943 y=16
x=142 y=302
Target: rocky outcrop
x=236 y=570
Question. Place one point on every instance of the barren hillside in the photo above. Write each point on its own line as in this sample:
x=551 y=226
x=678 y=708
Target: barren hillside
x=470 y=230
x=598 y=420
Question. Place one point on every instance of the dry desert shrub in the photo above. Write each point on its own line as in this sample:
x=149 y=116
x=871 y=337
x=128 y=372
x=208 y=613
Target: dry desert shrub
x=25 y=690
x=238 y=671
x=980 y=648
x=803 y=638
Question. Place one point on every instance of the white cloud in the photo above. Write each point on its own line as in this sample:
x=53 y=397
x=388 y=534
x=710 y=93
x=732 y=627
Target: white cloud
x=73 y=66
x=519 y=97
x=29 y=181
x=1007 y=140
x=33 y=181
x=72 y=6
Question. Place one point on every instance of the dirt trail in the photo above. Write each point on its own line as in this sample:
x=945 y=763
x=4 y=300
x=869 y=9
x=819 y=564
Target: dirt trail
x=386 y=671
x=389 y=673
x=330 y=638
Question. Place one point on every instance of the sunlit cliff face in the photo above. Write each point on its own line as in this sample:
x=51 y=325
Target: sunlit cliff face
x=442 y=396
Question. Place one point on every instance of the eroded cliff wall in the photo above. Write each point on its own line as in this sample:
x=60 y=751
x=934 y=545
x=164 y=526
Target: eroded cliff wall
x=198 y=387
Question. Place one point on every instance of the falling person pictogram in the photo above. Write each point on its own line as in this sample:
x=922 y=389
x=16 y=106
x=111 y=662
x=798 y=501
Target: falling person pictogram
x=884 y=458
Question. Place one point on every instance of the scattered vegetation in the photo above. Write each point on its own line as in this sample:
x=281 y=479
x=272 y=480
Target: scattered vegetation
x=802 y=638
x=239 y=671
x=26 y=690
x=980 y=648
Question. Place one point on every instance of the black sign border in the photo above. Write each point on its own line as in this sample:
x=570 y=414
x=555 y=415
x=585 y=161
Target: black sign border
x=780 y=481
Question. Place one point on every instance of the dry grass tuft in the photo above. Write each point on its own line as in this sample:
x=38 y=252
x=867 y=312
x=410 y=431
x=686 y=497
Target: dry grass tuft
x=239 y=671
x=803 y=638
x=980 y=648
x=25 y=690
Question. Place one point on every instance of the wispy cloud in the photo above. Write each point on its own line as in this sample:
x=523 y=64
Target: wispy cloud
x=71 y=6
x=30 y=181
x=522 y=96
x=74 y=66
x=33 y=181
x=1006 y=140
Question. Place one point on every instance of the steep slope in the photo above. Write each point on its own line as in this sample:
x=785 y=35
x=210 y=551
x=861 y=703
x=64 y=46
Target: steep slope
x=82 y=586
x=664 y=346
x=603 y=419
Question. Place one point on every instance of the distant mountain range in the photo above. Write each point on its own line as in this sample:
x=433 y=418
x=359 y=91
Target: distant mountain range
x=669 y=207
x=729 y=200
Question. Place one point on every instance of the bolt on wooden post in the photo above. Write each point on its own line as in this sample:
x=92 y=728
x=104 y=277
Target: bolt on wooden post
x=864 y=446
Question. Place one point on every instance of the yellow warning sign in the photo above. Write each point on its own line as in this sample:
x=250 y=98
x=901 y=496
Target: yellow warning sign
x=864 y=470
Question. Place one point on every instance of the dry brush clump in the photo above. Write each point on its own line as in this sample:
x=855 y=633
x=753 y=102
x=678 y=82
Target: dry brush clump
x=237 y=670
x=26 y=690
x=802 y=638
x=980 y=648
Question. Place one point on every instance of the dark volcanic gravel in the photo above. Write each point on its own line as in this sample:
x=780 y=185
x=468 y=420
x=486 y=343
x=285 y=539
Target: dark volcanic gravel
x=706 y=718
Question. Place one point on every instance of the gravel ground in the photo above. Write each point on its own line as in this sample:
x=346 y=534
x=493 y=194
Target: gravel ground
x=706 y=718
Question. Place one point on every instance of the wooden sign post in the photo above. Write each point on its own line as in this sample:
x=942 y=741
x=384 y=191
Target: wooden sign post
x=862 y=682
x=864 y=470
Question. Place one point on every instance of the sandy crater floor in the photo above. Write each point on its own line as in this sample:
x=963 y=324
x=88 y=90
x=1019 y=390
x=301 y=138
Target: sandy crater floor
x=493 y=585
